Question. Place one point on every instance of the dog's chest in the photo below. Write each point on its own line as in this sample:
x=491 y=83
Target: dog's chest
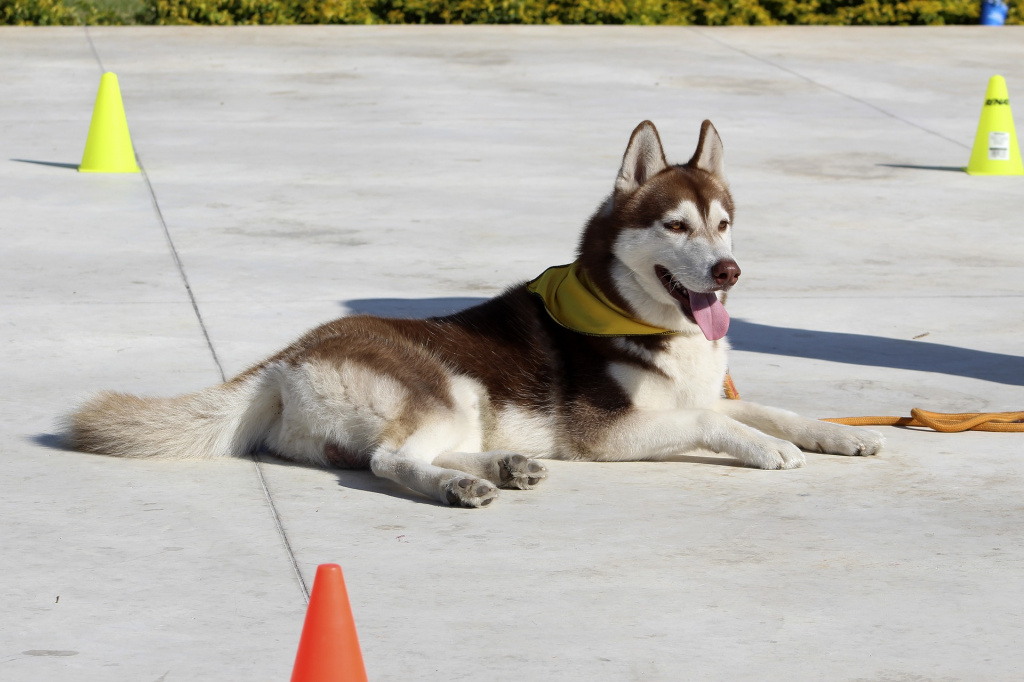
x=687 y=373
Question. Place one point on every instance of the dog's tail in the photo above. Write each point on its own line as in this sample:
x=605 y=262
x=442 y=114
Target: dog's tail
x=221 y=421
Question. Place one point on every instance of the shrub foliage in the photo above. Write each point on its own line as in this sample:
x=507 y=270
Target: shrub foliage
x=54 y=13
x=648 y=12
x=698 y=12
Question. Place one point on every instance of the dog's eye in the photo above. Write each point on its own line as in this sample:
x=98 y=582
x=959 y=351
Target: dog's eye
x=676 y=226
x=723 y=226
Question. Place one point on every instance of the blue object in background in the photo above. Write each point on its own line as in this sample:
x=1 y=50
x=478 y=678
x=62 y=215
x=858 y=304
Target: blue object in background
x=993 y=12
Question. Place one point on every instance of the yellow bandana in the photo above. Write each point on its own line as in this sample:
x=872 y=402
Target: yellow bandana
x=573 y=301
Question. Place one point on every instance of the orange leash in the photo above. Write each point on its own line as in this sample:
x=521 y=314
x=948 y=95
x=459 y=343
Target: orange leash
x=730 y=388
x=1006 y=422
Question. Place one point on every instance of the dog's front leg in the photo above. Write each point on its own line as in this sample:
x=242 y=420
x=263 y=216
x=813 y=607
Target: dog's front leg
x=659 y=434
x=809 y=434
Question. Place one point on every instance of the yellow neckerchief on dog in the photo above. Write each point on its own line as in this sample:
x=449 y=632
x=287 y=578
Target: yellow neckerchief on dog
x=573 y=301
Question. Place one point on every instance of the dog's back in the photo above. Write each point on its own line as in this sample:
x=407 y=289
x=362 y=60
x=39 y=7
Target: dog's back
x=531 y=385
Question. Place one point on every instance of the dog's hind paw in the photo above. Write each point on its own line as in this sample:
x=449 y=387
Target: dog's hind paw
x=518 y=471
x=470 y=492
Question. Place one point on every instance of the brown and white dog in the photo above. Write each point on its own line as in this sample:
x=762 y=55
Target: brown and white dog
x=455 y=407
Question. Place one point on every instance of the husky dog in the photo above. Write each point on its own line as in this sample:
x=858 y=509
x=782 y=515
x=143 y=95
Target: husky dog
x=618 y=356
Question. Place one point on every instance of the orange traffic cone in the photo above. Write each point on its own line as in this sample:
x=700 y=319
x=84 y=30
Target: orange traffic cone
x=329 y=648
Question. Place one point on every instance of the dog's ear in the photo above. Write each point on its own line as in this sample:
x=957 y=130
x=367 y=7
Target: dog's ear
x=710 y=154
x=644 y=158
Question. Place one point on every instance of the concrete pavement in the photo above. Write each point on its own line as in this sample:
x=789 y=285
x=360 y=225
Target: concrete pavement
x=300 y=173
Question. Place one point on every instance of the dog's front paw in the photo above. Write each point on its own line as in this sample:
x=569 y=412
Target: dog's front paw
x=772 y=453
x=837 y=439
x=521 y=472
x=469 y=492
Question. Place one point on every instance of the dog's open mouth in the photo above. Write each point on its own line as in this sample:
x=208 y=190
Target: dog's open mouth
x=704 y=309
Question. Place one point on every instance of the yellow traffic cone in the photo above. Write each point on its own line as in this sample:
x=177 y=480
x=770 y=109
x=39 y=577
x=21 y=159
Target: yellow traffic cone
x=996 y=151
x=108 y=148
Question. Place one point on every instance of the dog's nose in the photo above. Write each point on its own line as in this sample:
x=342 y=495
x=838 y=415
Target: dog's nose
x=725 y=272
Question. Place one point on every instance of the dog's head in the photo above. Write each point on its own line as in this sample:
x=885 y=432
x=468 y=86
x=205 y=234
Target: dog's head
x=661 y=245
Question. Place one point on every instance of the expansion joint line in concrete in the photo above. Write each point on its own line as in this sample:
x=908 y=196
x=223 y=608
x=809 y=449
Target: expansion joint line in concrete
x=181 y=269
x=280 y=528
x=95 y=52
x=829 y=88
x=209 y=344
x=220 y=369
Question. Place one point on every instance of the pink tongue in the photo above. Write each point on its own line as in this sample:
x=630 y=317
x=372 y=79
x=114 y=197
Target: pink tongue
x=710 y=315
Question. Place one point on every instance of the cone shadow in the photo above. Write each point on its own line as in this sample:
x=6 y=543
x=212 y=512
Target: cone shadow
x=957 y=169
x=54 y=164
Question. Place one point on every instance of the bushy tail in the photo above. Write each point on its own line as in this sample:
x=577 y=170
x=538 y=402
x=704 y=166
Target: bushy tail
x=221 y=421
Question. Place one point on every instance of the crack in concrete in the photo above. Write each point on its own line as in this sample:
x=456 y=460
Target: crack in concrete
x=829 y=88
x=209 y=344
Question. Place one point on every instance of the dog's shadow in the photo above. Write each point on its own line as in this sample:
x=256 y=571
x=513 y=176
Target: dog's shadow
x=877 y=351
x=52 y=441
x=853 y=349
x=414 y=308
x=352 y=479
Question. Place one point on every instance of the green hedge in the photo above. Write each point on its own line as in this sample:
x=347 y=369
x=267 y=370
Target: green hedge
x=665 y=12
x=699 y=12
x=55 y=13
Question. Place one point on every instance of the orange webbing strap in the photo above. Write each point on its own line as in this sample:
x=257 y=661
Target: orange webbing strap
x=1007 y=422
x=730 y=388
x=946 y=423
